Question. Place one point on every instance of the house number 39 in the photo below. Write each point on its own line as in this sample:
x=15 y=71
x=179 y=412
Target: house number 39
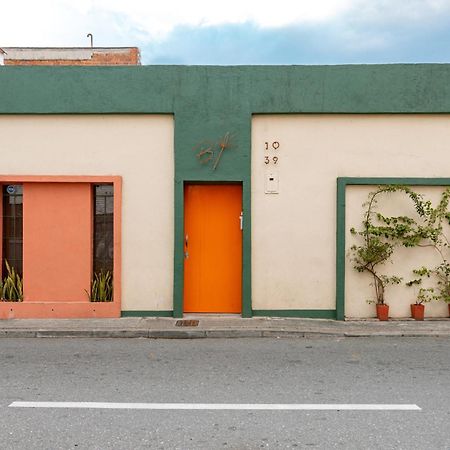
x=267 y=159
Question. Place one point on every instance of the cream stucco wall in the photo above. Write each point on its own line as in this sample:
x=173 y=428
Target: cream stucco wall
x=137 y=147
x=294 y=231
x=358 y=287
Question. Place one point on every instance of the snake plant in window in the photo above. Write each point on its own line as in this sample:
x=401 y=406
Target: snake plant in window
x=12 y=285
x=101 y=287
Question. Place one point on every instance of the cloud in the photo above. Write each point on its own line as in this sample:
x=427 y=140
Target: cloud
x=48 y=23
x=159 y=18
x=362 y=41
x=240 y=31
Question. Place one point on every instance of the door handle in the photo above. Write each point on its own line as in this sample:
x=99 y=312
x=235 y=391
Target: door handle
x=186 y=242
x=241 y=220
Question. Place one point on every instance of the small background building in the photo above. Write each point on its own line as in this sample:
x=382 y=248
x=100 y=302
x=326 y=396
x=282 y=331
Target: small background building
x=75 y=56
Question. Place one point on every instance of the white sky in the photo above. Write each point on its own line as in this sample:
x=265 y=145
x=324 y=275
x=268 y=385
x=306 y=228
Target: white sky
x=305 y=31
x=66 y=22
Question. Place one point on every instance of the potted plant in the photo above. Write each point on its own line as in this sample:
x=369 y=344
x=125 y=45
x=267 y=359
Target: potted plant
x=432 y=234
x=424 y=295
x=381 y=234
x=379 y=237
x=441 y=291
x=366 y=258
x=441 y=273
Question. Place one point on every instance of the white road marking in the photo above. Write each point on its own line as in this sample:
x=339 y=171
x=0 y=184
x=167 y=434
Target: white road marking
x=222 y=406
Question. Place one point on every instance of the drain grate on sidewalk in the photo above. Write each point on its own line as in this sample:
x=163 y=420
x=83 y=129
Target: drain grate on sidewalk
x=186 y=323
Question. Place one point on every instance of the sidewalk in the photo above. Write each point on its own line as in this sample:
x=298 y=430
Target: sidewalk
x=220 y=326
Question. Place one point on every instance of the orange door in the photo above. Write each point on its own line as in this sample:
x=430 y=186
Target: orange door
x=213 y=248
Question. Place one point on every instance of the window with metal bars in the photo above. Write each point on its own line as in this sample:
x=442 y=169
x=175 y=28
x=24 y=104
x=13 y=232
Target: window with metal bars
x=12 y=244
x=103 y=227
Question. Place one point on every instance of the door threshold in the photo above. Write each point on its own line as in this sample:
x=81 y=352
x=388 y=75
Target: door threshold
x=211 y=315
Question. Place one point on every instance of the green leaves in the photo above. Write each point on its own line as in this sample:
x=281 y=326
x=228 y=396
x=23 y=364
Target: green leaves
x=432 y=234
x=382 y=234
x=441 y=276
x=12 y=285
x=426 y=295
x=101 y=287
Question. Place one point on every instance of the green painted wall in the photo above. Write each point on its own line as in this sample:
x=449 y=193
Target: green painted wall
x=209 y=101
x=199 y=90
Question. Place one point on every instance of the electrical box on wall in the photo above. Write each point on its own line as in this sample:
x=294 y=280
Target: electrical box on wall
x=271 y=183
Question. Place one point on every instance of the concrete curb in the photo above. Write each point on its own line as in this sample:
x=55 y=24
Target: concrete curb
x=212 y=333
x=220 y=327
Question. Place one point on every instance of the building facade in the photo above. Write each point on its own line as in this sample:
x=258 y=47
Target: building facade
x=209 y=189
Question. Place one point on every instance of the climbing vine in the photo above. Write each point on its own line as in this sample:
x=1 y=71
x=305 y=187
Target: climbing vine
x=381 y=234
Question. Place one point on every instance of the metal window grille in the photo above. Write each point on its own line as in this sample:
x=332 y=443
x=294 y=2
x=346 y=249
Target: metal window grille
x=103 y=227
x=12 y=227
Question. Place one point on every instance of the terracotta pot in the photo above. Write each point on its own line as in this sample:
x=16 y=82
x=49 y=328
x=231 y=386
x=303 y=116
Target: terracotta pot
x=383 y=312
x=417 y=311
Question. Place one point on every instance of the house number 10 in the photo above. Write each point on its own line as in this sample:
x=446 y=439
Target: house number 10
x=275 y=145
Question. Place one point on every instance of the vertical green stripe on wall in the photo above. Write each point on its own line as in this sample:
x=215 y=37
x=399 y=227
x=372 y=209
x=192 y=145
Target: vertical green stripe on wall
x=178 y=283
x=340 y=250
x=246 y=253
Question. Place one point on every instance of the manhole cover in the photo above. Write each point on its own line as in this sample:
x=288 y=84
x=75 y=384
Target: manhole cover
x=186 y=323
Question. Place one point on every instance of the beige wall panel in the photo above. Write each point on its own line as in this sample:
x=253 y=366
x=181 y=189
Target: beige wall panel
x=139 y=148
x=358 y=287
x=294 y=232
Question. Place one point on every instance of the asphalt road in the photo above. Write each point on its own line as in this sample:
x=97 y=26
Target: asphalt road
x=238 y=371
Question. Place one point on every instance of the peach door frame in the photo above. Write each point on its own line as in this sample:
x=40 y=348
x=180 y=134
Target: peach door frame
x=43 y=309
